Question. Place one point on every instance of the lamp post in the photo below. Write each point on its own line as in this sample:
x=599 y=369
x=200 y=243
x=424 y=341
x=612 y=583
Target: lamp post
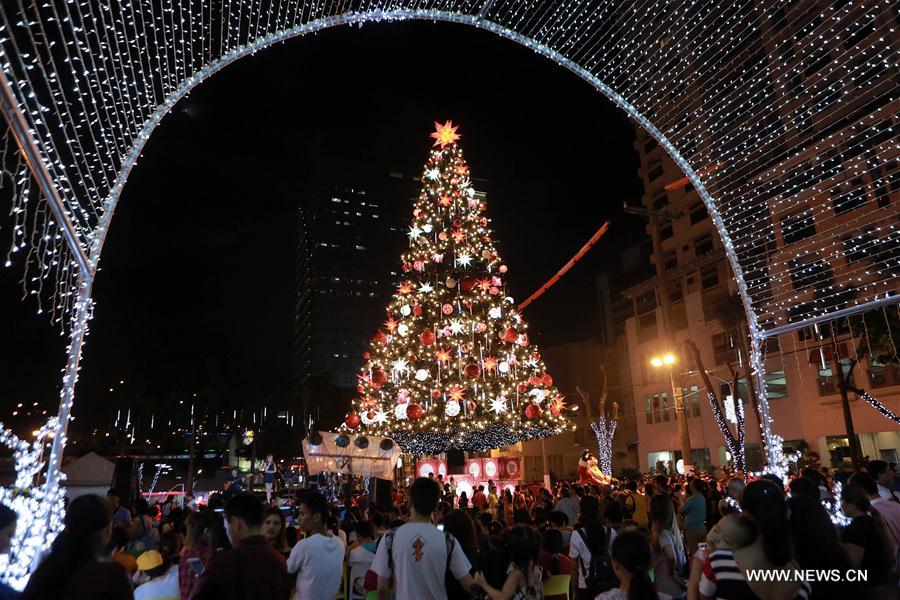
x=684 y=434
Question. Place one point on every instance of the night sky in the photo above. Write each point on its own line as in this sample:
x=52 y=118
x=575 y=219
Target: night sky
x=196 y=282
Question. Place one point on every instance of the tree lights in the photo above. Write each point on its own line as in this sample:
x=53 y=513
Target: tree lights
x=452 y=366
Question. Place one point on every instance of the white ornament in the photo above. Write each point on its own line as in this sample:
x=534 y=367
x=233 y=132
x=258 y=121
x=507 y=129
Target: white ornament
x=414 y=232
x=364 y=417
x=405 y=310
x=452 y=408
x=427 y=228
x=456 y=326
x=400 y=365
x=464 y=260
x=381 y=417
x=503 y=367
x=498 y=405
x=433 y=174
x=422 y=374
x=425 y=288
x=509 y=300
x=402 y=329
x=495 y=313
x=470 y=192
x=400 y=411
x=537 y=394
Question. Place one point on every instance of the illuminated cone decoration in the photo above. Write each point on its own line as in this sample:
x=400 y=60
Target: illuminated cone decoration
x=452 y=366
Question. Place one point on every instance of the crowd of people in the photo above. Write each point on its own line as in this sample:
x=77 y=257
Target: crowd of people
x=647 y=538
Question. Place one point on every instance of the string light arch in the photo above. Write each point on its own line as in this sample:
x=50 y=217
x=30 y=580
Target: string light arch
x=782 y=115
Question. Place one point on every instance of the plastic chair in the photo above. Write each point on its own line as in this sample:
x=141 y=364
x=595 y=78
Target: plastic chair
x=558 y=585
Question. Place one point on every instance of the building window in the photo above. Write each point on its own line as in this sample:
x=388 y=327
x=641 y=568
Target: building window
x=850 y=198
x=655 y=173
x=656 y=412
x=691 y=397
x=664 y=402
x=698 y=213
x=650 y=145
x=703 y=245
x=724 y=348
x=670 y=259
x=797 y=227
x=709 y=277
x=660 y=201
x=648 y=408
x=665 y=232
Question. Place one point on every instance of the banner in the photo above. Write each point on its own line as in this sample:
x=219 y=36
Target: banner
x=351 y=455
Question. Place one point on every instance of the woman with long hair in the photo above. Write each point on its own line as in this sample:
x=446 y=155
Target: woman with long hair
x=196 y=551
x=816 y=545
x=460 y=525
x=74 y=556
x=273 y=529
x=667 y=547
x=867 y=541
x=763 y=503
x=590 y=540
x=631 y=561
x=523 y=579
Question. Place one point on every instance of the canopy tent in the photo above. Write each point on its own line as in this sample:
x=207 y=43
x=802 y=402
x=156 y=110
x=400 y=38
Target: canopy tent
x=90 y=474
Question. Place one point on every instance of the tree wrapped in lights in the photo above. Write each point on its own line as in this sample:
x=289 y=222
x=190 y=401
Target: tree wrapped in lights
x=453 y=366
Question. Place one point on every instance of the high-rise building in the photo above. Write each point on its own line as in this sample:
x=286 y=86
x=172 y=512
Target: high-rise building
x=696 y=283
x=348 y=251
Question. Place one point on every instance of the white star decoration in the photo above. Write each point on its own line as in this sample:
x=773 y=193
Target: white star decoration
x=381 y=417
x=498 y=405
x=414 y=232
x=464 y=260
x=400 y=365
x=425 y=288
x=433 y=174
x=456 y=326
x=531 y=363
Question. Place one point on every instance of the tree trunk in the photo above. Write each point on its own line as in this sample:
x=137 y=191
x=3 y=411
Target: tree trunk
x=843 y=384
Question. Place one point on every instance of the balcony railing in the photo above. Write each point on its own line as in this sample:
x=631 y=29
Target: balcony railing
x=884 y=376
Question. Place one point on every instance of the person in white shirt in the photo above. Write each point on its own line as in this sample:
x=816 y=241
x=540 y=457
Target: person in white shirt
x=362 y=554
x=883 y=474
x=318 y=559
x=418 y=555
x=163 y=582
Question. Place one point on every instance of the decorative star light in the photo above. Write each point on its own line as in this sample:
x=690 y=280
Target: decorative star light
x=490 y=363
x=425 y=288
x=456 y=326
x=414 y=232
x=498 y=405
x=557 y=405
x=445 y=134
x=464 y=260
x=443 y=355
x=401 y=365
x=381 y=417
x=456 y=393
x=390 y=324
x=531 y=362
x=433 y=174
x=445 y=200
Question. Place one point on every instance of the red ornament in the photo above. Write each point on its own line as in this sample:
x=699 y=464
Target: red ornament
x=370 y=415
x=442 y=236
x=510 y=335
x=417 y=310
x=494 y=291
x=447 y=309
x=534 y=380
x=366 y=355
x=353 y=421
x=414 y=412
x=522 y=388
x=471 y=406
x=435 y=394
x=547 y=379
x=467 y=284
x=532 y=412
x=480 y=327
x=360 y=389
x=472 y=371
x=427 y=338
x=379 y=377
x=380 y=337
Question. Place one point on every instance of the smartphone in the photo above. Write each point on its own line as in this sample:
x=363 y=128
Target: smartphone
x=196 y=564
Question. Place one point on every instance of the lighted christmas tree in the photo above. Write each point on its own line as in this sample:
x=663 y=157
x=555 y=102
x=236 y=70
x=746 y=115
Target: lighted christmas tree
x=452 y=366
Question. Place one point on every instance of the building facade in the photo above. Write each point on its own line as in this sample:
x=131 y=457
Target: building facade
x=698 y=292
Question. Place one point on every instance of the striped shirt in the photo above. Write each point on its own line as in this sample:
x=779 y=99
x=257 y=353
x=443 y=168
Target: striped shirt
x=730 y=583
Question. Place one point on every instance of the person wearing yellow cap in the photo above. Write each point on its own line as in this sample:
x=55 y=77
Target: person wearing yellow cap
x=157 y=565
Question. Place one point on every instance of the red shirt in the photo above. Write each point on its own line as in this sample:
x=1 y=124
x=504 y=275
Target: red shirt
x=479 y=500
x=253 y=570
x=564 y=564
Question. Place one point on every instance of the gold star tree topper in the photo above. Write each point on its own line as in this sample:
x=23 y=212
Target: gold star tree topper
x=445 y=134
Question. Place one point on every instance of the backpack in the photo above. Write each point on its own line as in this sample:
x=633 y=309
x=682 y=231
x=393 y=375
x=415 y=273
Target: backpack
x=599 y=576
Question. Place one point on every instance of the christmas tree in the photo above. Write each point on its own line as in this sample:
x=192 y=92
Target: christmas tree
x=452 y=366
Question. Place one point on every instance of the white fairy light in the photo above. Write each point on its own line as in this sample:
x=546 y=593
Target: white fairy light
x=787 y=114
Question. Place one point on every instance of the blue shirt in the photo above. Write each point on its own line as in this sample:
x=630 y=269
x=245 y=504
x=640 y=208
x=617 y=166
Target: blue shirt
x=694 y=513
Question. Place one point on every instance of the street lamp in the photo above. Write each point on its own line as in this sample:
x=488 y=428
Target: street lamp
x=667 y=360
